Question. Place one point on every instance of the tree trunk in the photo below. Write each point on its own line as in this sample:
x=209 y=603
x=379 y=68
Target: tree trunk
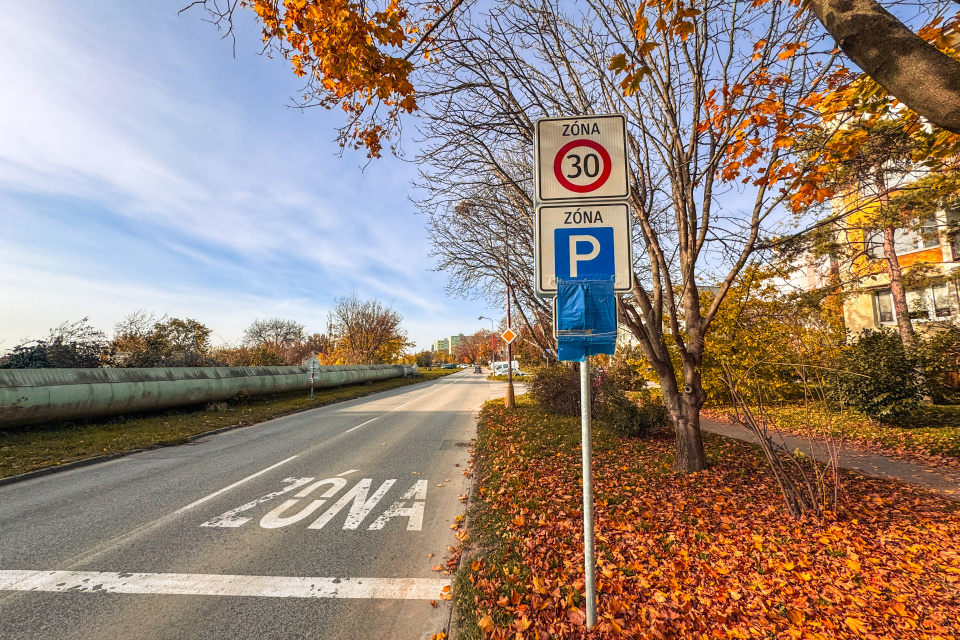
x=899 y=296
x=916 y=73
x=897 y=292
x=690 y=454
x=684 y=409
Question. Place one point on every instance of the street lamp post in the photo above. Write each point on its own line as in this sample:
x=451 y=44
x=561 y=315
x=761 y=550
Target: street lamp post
x=493 y=337
x=509 y=402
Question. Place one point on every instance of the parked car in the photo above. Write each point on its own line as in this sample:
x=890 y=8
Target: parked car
x=449 y=366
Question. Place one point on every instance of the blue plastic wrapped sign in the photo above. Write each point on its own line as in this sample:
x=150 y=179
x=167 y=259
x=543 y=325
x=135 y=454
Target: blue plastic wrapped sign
x=586 y=318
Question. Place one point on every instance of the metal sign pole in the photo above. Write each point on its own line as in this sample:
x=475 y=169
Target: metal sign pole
x=589 y=562
x=311 y=383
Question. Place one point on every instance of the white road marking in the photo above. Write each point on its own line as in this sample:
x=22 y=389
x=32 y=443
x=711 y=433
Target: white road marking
x=273 y=520
x=346 y=473
x=222 y=585
x=338 y=483
x=228 y=520
x=394 y=409
x=360 y=507
x=233 y=486
x=360 y=425
x=399 y=510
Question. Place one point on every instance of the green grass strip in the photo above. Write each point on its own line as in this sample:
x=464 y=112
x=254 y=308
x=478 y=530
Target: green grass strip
x=48 y=445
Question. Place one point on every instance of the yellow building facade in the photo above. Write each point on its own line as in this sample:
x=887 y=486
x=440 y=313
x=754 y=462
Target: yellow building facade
x=927 y=250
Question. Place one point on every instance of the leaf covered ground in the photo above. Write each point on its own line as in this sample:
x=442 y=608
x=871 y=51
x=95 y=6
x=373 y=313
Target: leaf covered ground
x=706 y=555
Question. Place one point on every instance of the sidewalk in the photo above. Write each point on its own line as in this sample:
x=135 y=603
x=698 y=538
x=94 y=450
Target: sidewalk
x=943 y=481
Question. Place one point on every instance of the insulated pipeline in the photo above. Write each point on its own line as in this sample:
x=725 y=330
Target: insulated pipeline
x=41 y=395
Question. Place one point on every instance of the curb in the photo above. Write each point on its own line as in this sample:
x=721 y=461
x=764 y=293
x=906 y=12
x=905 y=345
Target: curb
x=469 y=551
x=86 y=462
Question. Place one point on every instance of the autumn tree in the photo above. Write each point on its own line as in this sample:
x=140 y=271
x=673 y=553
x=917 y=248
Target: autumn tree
x=712 y=93
x=172 y=342
x=766 y=333
x=423 y=359
x=321 y=344
x=481 y=226
x=366 y=332
x=136 y=324
x=363 y=57
x=69 y=345
x=919 y=68
x=275 y=332
x=473 y=348
x=882 y=193
x=355 y=56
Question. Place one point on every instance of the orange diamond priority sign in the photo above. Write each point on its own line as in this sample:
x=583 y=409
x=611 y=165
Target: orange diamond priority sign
x=508 y=336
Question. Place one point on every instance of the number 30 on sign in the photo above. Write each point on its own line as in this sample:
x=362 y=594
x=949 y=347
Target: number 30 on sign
x=579 y=158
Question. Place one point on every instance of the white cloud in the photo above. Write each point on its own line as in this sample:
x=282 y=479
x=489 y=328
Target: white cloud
x=142 y=166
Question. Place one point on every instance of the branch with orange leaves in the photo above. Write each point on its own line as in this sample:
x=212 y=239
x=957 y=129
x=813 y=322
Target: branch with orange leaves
x=351 y=55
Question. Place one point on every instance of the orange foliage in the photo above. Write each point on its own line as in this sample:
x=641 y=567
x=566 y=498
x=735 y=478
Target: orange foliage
x=705 y=555
x=350 y=54
x=838 y=94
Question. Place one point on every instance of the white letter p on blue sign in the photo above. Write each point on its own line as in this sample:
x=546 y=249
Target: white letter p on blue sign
x=576 y=258
x=584 y=253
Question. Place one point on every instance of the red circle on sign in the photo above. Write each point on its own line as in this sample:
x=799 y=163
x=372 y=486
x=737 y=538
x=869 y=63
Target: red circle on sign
x=582 y=188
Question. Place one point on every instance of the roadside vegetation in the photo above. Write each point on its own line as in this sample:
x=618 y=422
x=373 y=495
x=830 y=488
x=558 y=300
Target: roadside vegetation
x=358 y=332
x=24 y=449
x=931 y=435
x=712 y=554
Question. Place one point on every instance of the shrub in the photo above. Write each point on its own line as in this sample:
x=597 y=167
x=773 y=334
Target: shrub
x=614 y=411
x=71 y=345
x=879 y=379
x=628 y=368
x=940 y=354
x=557 y=389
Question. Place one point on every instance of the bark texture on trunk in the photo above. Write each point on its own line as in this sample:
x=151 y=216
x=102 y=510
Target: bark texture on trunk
x=897 y=292
x=684 y=405
x=690 y=453
x=916 y=73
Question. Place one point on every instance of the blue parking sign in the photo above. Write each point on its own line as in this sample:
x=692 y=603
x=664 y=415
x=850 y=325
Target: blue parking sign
x=584 y=253
x=583 y=242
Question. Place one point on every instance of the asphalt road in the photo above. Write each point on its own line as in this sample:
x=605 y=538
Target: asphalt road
x=317 y=525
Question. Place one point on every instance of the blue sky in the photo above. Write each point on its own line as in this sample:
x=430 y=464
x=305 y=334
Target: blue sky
x=142 y=165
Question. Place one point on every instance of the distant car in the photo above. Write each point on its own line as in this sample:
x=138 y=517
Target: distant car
x=463 y=366
x=449 y=366
x=478 y=369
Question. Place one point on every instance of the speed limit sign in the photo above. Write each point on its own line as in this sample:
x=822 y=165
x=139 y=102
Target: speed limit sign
x=579 y=158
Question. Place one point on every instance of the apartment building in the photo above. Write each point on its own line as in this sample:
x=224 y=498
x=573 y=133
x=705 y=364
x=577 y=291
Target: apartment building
x=871 y=305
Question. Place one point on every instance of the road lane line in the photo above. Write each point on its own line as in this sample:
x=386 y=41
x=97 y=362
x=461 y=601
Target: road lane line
x=394 y=409
x=346 y=473
x=233 y=486
x=199 y=584
x=361 y=425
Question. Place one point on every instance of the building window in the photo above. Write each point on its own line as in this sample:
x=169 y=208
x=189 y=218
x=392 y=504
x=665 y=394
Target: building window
x=904 y=240
x=944 y=299
x=907 y=240
x=933 y=303
x=874 y=243
x=917 y=305
x=883 y=303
